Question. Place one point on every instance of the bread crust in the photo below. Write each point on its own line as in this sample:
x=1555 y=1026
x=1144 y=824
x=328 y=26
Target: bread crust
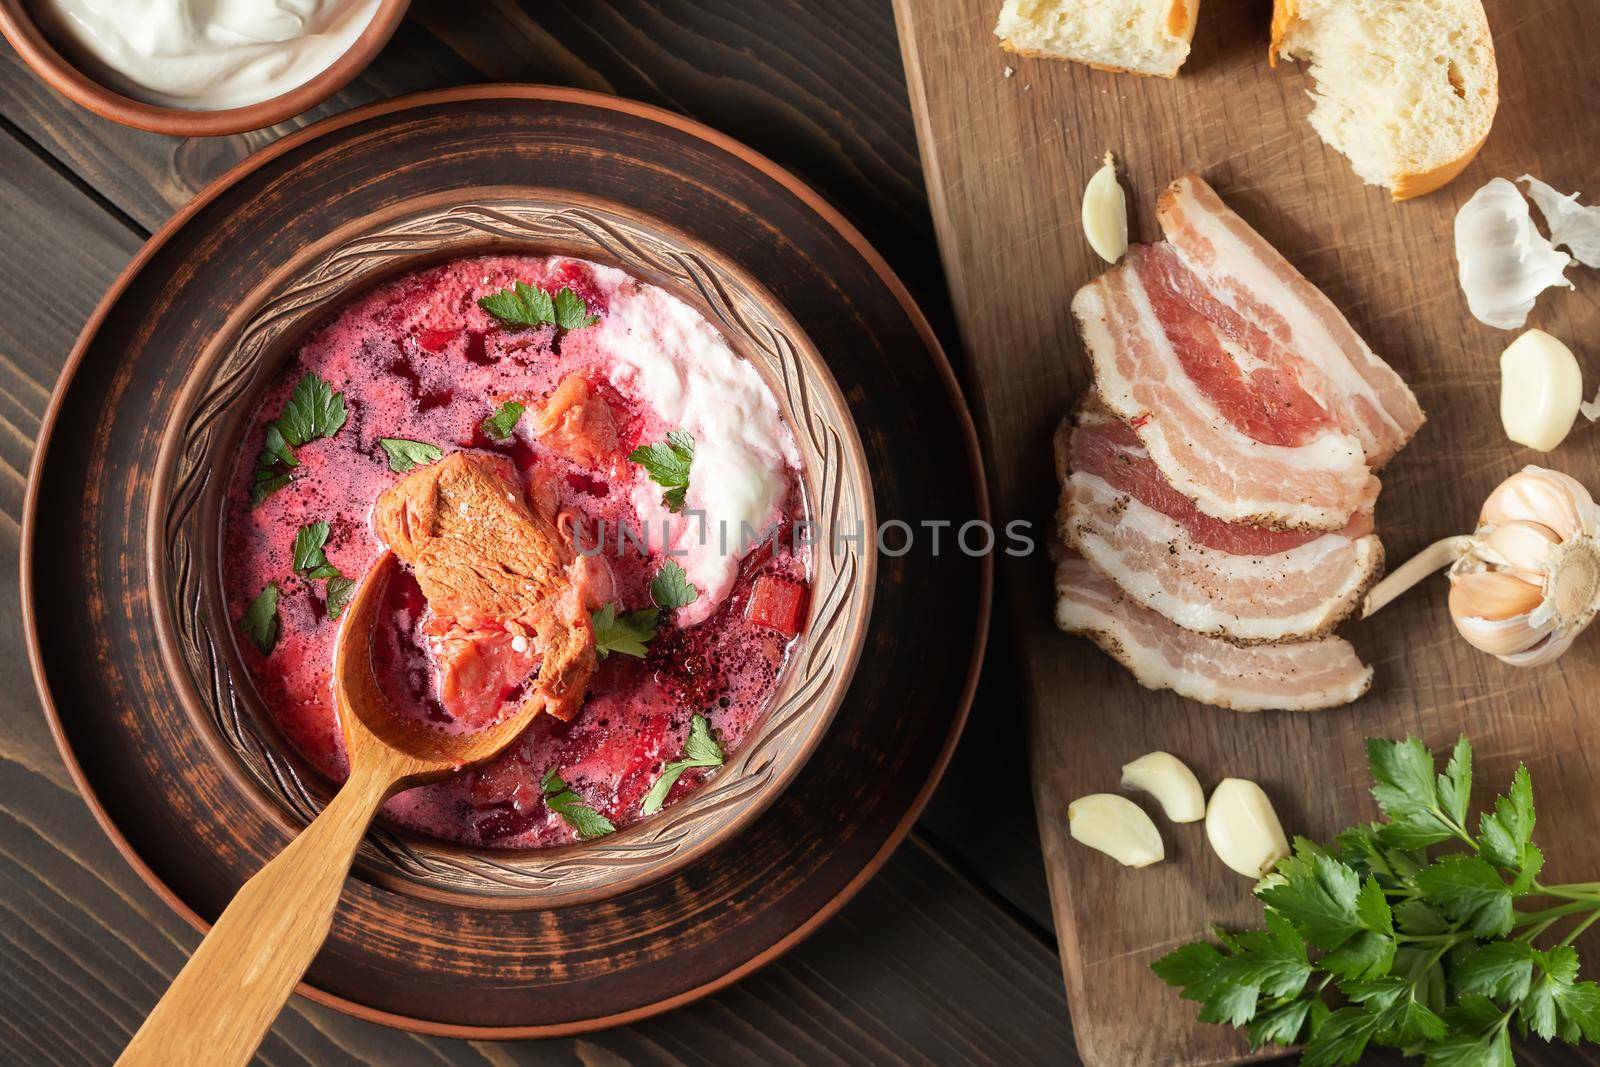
x=1284 y=14
x=1034 y=53
x=1409 y=185
x=1182 y=16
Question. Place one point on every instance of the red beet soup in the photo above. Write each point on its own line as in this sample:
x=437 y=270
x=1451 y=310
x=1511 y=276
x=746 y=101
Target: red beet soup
x=631 y=446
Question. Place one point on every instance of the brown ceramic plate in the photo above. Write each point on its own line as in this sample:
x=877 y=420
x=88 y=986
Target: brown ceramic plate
x=20 y=28
x=217 y=407
x=177 y=803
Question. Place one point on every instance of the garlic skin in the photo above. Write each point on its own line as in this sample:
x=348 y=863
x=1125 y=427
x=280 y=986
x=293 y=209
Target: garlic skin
x=1243 y=828
x=1590 y=409
x=1116 y=826
x=1168 y=779
x=1571 y=224
x=1528 y=582
x=1105 y=213
x=1504 y=261
x=1541 y=389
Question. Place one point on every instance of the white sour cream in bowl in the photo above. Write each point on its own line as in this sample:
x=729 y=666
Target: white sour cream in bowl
x=669 y=356
x=204 y=55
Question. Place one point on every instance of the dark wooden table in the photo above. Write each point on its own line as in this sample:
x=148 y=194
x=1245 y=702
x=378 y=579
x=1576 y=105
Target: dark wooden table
x=947 y=956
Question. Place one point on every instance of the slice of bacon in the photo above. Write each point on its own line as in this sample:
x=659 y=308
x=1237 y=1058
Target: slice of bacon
x=1242 y=583
x=1258 y=416
x=1301 y=676
x=1255 y=281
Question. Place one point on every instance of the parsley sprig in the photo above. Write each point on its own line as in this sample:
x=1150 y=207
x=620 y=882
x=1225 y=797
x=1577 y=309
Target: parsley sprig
x=629 y=632
x=1375 y=940
x=310 y=557
x=260 y=620
x=526 y=306
x=671 y=588
x=560 y=798
x=311 y=562
x=668 y=465
x=405 y=454
x=498 y=426
x=701 y=749
x=313 y=410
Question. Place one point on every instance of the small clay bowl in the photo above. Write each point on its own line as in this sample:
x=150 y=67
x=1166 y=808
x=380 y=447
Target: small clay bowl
x=20 y=27
x=224 y=384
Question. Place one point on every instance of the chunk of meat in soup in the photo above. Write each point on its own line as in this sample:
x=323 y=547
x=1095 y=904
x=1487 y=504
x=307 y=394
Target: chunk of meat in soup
x=577 y=422
x=506 y=593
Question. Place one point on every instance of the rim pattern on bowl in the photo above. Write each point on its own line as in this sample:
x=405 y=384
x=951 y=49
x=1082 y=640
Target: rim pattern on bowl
x=816 y=677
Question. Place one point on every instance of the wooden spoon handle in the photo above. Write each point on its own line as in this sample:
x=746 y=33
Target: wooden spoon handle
x=226 y=997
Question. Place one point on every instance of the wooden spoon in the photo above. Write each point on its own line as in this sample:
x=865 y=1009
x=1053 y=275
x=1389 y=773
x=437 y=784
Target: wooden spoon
x=226 y=997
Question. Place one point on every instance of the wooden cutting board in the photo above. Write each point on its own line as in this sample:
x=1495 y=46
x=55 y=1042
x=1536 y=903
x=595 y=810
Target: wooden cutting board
x=1007 y=146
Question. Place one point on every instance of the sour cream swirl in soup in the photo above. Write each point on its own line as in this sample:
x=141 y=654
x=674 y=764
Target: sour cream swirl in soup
x=671 y=358
x=204 y=55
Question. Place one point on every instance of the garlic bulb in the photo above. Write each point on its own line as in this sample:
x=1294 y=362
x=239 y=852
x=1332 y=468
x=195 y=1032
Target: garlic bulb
x=1527 y=582
x=1505 y=262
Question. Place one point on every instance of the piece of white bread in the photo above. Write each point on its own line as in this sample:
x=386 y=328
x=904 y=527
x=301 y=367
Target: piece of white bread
x=1406 y=89
x=1136 y=36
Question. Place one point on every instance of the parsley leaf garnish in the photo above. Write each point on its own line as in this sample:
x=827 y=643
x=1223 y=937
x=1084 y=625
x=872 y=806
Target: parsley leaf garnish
x=670 y=588
x=573 y=811
x=699 y=750
x=273 y=464
x=628 y=633
x=339 y=591
x=261 y=619
x=525 y=306
x=521 y=305
x=668 y=466
x=499 y=425
x=309 y=557
x=571 y=312
x=311 y=560
x=314 y=410
x=1434 y=955
x=405 y=454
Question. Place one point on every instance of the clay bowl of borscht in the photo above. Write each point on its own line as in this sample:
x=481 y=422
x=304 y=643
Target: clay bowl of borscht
x=623 y=485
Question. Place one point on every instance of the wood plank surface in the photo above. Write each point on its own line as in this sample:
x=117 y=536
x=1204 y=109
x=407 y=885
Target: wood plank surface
x=1008 y=144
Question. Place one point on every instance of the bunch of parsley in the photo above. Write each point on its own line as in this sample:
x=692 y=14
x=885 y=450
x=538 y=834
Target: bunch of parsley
x=1378 y=940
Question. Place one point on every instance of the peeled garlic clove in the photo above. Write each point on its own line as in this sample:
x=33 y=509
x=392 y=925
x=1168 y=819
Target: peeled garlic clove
x=1105 y=213
x=1570 y=223
x=1504 y=261
x=1547 y=497
x=1243 y=829
x=1541 y=388
x=1116 y=826
x=1168 y=779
